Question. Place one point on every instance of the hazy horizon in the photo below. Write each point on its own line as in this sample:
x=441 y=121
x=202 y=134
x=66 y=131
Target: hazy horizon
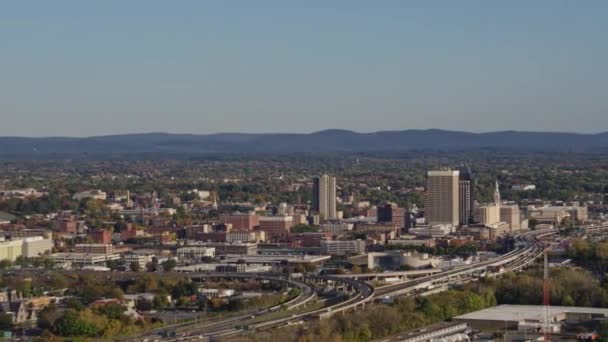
x=302 y=133
x=79 y=69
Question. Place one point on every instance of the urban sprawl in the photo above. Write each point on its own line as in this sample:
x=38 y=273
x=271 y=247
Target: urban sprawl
x=110 y=253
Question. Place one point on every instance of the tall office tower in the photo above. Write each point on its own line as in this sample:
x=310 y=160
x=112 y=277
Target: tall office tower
x=464 y=205
x=467 y=195
x=324 y=197
x=442 y=197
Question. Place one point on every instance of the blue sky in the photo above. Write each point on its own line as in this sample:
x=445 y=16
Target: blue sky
x=81 y=68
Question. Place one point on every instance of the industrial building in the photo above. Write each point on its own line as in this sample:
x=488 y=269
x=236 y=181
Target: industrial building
x=528 y=317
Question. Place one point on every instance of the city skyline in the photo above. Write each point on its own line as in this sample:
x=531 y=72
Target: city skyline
x=71 y=69
x=304 y=171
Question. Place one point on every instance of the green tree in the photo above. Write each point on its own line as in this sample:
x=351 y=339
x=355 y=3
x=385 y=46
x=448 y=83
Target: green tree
x=160 y=301
x=144 y=305
x=75 y=304
x=6 y=321
x=4 y=264
x=568 y=301
x=48 y=316
x=22 y=261
x=169 y=265
x=152 y=266
x=365 y=334
x=70 y=324
x=112 y=311
x=134 y=266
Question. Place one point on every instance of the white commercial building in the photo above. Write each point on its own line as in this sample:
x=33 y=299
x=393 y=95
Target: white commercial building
x=215 y=293
x=435 y=231
x=523 y=187
x=201 y=194
x=11 y=250
x=82 y=259
x=342 y=247
x=336 y=227
x=245 y=236
x=140 y=259
x=92 y=194
x=195 y=252
x=36 y=246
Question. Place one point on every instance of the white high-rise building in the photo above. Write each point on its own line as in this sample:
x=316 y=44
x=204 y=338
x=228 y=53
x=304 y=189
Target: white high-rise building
x=324 y=197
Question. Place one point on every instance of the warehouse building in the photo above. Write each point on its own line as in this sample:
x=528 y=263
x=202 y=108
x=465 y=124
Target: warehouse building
x=528 y=317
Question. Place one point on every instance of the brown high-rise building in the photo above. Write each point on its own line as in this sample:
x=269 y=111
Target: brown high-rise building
x=324 y=197
x=442 y=197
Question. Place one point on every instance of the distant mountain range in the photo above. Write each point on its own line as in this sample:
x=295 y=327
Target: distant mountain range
x=323 y=141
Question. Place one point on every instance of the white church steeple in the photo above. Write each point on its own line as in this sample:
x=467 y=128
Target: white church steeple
x=497 y=195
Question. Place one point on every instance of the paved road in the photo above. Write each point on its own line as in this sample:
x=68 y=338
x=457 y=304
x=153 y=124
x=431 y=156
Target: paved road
x=514 y=260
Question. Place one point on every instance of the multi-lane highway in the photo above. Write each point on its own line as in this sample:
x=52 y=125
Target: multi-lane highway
x=529 y=246
x=530 y=251
x=215 y=327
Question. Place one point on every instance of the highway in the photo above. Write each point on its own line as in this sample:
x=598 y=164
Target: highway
x=530 y=246
x=216 y=326
x=365 y=294
x=529 y=253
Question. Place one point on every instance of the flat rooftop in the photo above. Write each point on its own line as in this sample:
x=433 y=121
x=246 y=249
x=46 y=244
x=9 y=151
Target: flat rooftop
x=526 y=312
x=261 y=259
x=435 y=330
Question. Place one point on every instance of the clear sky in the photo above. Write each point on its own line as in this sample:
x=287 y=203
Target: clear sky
x=81 y=68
